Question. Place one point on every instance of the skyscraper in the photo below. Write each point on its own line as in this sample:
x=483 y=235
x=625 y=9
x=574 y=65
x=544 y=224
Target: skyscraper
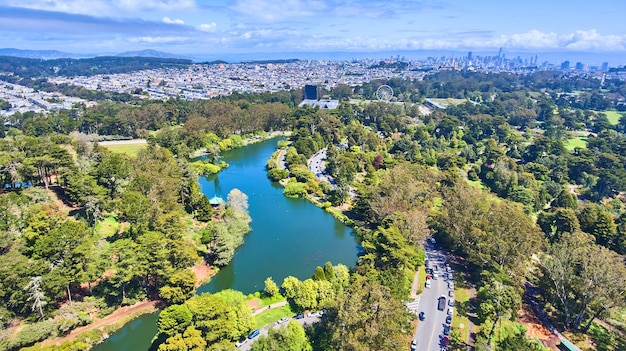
x=565 y=65
x=605 y=66
x=469 y=56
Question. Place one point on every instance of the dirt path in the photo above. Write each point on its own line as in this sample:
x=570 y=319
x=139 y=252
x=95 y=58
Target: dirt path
x=274 y=305
x=123 y=142
x=115 y=317
x=203 y=273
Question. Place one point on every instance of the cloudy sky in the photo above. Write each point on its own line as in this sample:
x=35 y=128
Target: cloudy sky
x=274 y=26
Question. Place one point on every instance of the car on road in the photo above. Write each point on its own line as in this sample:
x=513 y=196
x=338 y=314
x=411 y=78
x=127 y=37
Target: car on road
x=282 y=320
x=450 y=285
x=449 y=320
x=451 y=302
x=299 y=316
x=448 y=269
x=253 y=334
x=445 y=341
x=446 y=330
x=422 y=316
x=451 y=293
x=428 y=284
x=241 y=342
x=313 y=314
x=441 y=303
x=450 y=276
x=414 y=345
x=432 y=240
x=435 y=275
x=450 y=311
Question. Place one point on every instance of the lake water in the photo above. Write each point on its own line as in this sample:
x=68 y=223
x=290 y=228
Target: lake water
x=288 y=237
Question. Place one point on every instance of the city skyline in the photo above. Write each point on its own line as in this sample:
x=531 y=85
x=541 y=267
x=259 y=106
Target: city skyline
x=316 y=26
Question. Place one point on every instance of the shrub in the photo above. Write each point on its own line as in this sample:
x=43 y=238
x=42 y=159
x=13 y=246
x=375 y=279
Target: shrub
x=295 y=190
x=277 y=174
x=33 y=333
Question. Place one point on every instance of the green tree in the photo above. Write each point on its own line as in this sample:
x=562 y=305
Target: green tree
x=174 y=320
x=291 y=338
x=180 y=287
x=367 y=317
x=271 y=289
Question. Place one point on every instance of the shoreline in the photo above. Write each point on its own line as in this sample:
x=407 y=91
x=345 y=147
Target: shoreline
x=115 y=321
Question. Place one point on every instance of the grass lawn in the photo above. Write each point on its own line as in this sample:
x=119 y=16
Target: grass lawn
x=449 y=101
x=421 y=277
x=476 y=184
x=613 y=116
x=130 y=149
x=272 y=315
x=108 y=226
x=572 y=143
x=461 y=307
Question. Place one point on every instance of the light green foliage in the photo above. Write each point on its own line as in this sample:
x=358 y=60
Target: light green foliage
x=180 y=287
x=174 y=319
x=291 y=338
x=271 y=289
x=295 y=190
x=240 y=311
x=190 y=340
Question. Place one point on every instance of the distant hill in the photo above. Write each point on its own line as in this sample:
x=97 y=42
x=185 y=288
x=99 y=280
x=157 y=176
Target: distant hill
x=19 y=67
x=151 y=53
x=39 y=54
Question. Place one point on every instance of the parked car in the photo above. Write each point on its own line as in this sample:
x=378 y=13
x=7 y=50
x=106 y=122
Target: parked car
x=432 y=240
x=448 y=319
x=414 y=345
x=253 y=334
x=435 y=275
x=313 y=314
x=451 y=302
x=282 y=320
x=445 y=341
x=451 y=293
x=299 y=316
x=422 y=316
x=450 y=276
x=450 y=311
x=450 y=285
x=446 y=330
x=241 y=342
x=428 y=284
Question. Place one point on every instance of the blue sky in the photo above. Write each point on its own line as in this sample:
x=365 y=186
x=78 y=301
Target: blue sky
x=275 y=26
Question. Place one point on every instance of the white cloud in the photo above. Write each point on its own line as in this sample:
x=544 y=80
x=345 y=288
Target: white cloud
x=269 y=10
x=172 y=21
x=207 y=27
x=103 y=7
x=157 y=40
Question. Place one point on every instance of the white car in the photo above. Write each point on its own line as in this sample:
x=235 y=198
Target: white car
x=450 y=311
x=241 y=342
x=428 y=284
x=282 y=320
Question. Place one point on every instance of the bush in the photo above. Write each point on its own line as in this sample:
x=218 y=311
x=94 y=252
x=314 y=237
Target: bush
x=277 y=174
x=33 y=333
x=295 y=190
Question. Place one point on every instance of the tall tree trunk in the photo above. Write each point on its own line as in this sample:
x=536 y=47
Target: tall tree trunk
x=123 y=293
x=69 y=293
x=491 y=332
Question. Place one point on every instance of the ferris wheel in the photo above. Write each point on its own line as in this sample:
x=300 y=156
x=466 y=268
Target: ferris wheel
x=384 y=93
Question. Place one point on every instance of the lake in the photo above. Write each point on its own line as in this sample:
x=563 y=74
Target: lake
x=288 y=237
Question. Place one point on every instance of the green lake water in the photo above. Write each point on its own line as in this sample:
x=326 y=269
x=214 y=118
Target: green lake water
x=288 y=237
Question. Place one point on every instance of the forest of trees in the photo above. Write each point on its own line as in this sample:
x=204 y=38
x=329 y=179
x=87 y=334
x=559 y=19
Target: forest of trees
x=493 y=178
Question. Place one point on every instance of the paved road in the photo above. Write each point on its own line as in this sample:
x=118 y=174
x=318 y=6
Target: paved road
x=317 y=165
x=430 y=331
x=263 y=331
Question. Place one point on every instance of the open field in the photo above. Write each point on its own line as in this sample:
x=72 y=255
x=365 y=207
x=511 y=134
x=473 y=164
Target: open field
x=613 y=116
x=272 y=315
x=573 y=143
x=128 y=149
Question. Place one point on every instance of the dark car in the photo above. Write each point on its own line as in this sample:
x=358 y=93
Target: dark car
x=299 y=316
x=441 y=303
x=253 y=334
x=448 y=319
x=422 y=316
x=445 y=341
x=446 y=330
